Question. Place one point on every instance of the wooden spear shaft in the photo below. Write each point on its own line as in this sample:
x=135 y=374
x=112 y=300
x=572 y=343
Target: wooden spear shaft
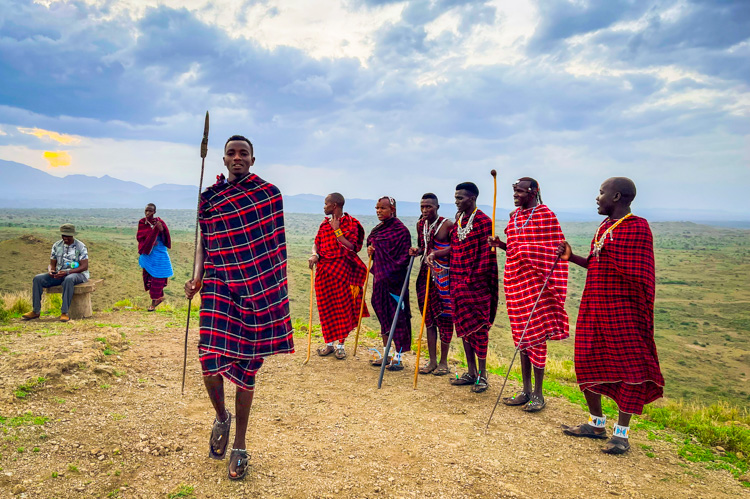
x=494 y=204
x=362 y=305
x=309 y=324
x=204 y=152
x=421 y=328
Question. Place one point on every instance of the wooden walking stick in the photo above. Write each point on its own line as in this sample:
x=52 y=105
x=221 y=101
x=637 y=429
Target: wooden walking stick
x=362 y=306
x=544 y=286
x=204 y=151
x=395 y=321
x=494 y=203
x=309 y=325
x=421 y=328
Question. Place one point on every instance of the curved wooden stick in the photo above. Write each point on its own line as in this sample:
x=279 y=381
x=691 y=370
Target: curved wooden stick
x=309 y=325
x=421 y=328
x=362 y=306
x=494 y=204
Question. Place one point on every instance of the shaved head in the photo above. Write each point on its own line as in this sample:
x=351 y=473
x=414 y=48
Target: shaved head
x=337 y=198
x=624 y=186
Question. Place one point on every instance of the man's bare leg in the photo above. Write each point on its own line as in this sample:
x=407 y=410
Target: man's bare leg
x=215 y=388
x=242 y=405
x=471 y=361
x=444 y=349
x=525 y=372
x=538 y=382
x=432 y=349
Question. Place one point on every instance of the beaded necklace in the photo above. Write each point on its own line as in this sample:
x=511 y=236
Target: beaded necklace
x=464 y=231
x=427 y=231
x=515 y=218
x=599 y=241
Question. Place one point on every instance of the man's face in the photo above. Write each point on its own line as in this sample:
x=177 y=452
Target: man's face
x=383 y=210
x=429 y=209
x=607 y=198
x=522 y=196
x=150 y=210
x=68 y=239
x=464 y=201
x=238 y=158
x=329 y=206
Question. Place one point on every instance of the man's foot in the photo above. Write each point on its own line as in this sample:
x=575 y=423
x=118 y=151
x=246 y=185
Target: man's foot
x=398 y=366
x=327 y=350
x=155 y=303
x=64 y=318
x=517 y=399
x=29 y=316
x=217 y=444
x=465 y=379
x=585 y=430
x=481 y=385
x=237 y=468
x=379 y=362
x=442 y=370
x=340 y=353
x=427 y=368
x=536 y=403
x=616 y=446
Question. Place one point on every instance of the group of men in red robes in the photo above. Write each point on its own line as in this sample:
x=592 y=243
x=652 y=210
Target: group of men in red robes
x=240 y=272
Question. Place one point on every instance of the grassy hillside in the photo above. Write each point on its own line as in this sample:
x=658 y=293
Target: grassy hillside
x=702 y=312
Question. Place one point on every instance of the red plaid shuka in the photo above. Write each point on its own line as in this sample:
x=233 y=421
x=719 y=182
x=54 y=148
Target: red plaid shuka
x=147 y=235
x=615 y=353
x=245 y=305
x=390 y=263
x=438 y=314
x=532 y=238
x=474 y=286
x=339 y=278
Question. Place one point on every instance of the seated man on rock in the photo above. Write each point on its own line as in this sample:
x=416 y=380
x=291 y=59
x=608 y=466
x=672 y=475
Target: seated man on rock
x=68 y=265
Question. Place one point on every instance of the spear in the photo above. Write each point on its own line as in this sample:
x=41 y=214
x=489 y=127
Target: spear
x=362 y=305
x=494 y=204
x=204 y=151
x=395 y=321
x=421 y=328
x=309 y=325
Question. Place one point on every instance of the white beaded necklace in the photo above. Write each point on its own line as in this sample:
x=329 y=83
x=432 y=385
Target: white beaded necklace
x=426 y=231
x=599 y=241
x=464 y=231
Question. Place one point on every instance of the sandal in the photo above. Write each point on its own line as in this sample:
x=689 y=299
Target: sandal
x=583 y=430
x=340 y=353
x=534 y=405
x=426 y=369
x=154 y=304
x=481 y=385
x=465 y=379
x=441 y=371
x=395 y=367
x=242 y=458
x=378 y=362
x=220 y=434
x=517 y=399
x=327 y=350
x=616 y=446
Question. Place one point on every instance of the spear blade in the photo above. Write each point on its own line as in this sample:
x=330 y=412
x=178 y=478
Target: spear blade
x=204 y=142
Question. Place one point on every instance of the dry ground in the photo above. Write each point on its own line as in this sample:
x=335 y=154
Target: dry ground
x=118 y=427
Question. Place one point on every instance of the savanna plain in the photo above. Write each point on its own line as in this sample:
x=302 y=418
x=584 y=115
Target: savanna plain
x=93 y=408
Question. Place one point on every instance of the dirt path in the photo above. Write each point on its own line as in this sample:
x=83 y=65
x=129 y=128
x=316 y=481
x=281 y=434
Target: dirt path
x=118 y=427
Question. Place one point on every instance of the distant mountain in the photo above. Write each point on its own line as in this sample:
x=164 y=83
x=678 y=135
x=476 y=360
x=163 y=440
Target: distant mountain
x=22 y=186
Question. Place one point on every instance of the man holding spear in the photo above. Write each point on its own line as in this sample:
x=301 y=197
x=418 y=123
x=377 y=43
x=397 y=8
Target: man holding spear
x=241 y=268
x=433 y=233
x=473 y=284
x=340 y=275
x=533 y=234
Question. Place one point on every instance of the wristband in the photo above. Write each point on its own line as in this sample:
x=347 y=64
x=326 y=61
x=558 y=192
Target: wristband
x=338 y=233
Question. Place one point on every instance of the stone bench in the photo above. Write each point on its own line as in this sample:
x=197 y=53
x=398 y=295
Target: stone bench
x=80 y=305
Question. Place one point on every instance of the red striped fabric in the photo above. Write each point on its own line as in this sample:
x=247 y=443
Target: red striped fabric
x=438 y=314
x=532 y=237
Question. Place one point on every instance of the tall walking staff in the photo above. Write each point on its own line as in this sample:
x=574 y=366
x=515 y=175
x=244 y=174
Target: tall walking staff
x=395 y=319
x=494 y=203
x=520 y=340
x=362 y=305
x=421 y=328
x=204 y=151
x=309 y=324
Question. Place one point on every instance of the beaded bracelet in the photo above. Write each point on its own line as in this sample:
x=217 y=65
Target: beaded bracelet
x=338 y=233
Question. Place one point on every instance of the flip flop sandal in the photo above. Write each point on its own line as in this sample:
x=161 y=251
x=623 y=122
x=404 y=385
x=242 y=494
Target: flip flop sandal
x=616 y=447
x=340 y=353
x=441 y=371
x=517 y=399
x=220 y=430
x=481 y=385
x=426 y=370
x=240 y=455
x=378 y=362
x=465 y=379
x=323 y=351
x=583 y=430
x=395 y=367
x=534 y=405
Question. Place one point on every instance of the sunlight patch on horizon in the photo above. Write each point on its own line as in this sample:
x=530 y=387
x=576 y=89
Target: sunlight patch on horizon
x=57 y=159
x=57 y=137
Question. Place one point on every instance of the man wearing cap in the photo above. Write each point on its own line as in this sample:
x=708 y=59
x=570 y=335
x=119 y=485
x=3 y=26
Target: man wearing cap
x=68 y=266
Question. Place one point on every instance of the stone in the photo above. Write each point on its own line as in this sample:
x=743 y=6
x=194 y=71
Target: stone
x=19 y=489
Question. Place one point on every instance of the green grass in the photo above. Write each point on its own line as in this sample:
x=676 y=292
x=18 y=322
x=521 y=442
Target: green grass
x=27 y=419
x=186 y=491
x=29 y=387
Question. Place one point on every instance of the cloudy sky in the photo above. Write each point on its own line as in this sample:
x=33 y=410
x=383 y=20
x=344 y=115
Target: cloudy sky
x=374 y=97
